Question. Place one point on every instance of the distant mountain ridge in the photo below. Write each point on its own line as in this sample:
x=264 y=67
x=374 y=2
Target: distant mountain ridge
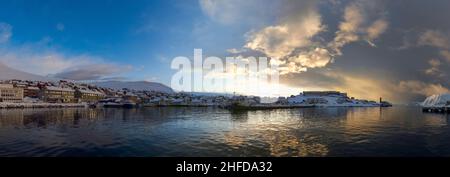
x=7 y=73
x=135 y=85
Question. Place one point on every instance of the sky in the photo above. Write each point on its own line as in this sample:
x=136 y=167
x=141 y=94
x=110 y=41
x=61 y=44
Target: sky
x=367 y=48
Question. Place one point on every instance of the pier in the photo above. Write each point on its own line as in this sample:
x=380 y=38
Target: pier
x=445 y=109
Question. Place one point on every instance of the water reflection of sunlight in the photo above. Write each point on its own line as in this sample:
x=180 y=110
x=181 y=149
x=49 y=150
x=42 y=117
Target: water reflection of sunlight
x=279 y=144
x=216 y=132
x=436 y=120
x=362 y=119
x=284 y=144
x=278 y=129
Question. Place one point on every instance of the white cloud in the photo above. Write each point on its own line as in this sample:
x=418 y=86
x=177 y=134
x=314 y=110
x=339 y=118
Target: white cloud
x=5 y=32
x=40 y=60
x=217 y=10
x=291 y=41
x=434 y=63
x=438 y=39
x=348 y=28
x=446 y=55
x=281 y=40
x=294 y=39
x=421 y=88
x=376 y=29
x=316 y=58
x=300 y=23
x=353 y=19
x=356 y=25
x=434 y=68
x=94 y=71
x=434 y=38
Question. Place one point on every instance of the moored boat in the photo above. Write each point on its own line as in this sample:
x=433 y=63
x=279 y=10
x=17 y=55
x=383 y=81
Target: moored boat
x=237 y=106
x=129 y=104
x=112 y=105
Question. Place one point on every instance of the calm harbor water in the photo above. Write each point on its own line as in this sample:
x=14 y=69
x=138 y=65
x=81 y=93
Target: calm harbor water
x=396 y=131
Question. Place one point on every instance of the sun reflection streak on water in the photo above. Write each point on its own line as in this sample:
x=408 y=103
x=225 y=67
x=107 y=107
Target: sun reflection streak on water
x=277 y=129
x=218 y=132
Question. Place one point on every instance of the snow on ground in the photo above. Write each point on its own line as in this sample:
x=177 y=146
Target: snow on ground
x=138 y=85
x=330 y=101
x=8 y=73
x=439 y=100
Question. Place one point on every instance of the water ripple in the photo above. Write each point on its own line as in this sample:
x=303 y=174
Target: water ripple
x=398 y=131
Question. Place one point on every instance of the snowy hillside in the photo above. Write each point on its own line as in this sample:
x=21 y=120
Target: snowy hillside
x=136 y=85
x=330 y=101
x=209 y=94
x=7 y=73
x=439 y=100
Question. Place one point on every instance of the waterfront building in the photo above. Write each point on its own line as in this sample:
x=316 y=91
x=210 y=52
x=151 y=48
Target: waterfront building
x=324 y=93
x=53 y=94
x=282 y=100
x=316 y=100
x=131 y=97
x=9 y=93
x=153 y=100
x=31 y=92
x=85 y=95
x=197 y=101
x=335 y=98
x=245 y=100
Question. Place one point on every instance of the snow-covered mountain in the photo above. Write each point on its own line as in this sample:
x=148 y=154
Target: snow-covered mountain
x=134 y=85
x=330 y=101
x=7 y=73
x=439 y=100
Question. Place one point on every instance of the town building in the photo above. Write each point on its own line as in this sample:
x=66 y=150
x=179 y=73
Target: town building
x=31 y=92
x=131 y=97
x=9 y=93
x=324 y=93
x=282 y=100
x=53 y=94
x=88 y=95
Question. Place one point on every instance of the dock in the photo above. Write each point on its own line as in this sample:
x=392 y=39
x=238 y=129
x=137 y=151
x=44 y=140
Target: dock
x=445 y=109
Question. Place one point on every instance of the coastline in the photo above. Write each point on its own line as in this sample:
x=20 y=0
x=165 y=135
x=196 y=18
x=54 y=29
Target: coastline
x=4 y=105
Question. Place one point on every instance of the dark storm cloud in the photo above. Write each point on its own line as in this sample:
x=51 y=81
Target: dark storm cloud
x=314 y=78
x=410 y=60
x=399 y=50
